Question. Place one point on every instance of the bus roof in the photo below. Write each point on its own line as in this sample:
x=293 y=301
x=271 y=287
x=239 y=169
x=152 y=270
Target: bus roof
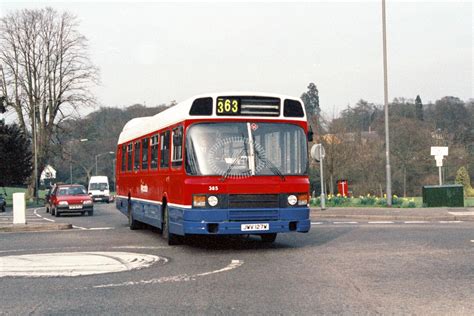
x=144 y=125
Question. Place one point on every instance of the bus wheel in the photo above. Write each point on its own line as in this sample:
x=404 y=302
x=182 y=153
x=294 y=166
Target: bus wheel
x=268 y=237
x=172 y=238
x=132 y=223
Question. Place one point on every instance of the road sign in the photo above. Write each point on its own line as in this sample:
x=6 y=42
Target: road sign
x=439 y=151
x=318 y=152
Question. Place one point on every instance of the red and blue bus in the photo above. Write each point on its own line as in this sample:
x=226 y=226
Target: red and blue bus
x=217 y=164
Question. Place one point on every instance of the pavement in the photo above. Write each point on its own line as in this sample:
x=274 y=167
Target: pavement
x=7 y=226
x=33 y=227
x=393 y=214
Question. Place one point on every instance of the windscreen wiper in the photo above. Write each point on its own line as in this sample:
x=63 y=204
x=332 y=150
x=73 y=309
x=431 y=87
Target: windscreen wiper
x=270 y=165
x=227 y=172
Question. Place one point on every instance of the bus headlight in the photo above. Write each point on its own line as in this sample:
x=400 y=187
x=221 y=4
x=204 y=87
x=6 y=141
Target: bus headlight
x=63 y=203
x=199 y=201
x=212 y=200
x=303 y=199
x=87 y=202
x=292 y=199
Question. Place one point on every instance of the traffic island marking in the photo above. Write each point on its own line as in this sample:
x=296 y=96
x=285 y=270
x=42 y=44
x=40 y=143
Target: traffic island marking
x=71 y=264
x=175 y=278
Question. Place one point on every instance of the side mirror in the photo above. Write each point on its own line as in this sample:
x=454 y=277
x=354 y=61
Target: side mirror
x=310 y=134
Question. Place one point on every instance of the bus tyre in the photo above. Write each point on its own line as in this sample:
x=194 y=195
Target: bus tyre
x=56 y=213
x=268 y=237
x=90 y=213
x=171 y=238
x=132 y=223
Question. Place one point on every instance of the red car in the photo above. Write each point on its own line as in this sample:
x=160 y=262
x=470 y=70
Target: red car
x=70 y=198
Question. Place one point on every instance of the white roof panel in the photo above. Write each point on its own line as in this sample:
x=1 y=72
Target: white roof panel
x=140 y=126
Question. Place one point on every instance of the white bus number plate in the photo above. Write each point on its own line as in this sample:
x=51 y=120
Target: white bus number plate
x=75 y=207
x=254 y=227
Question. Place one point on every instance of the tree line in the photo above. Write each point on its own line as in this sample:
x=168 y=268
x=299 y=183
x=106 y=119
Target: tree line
x=355 y=144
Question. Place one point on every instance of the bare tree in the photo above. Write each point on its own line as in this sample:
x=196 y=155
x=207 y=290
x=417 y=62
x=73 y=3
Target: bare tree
x=46 y=73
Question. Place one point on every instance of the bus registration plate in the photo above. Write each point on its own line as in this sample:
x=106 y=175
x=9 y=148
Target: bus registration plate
x=75 y=207
x=254 y=227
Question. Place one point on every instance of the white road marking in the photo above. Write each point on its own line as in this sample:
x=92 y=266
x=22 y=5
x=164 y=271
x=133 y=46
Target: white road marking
x=79 y=227
x=345 y=222
x=382 y=222
x=316 y=223
x=462 y=213
x=72 y=264
x=92 y=228
x=472 y=240
x=449 y=222
x=46 y=219
x=100 y=228
x=416 y=222
x=141 y=247
x=176 y=278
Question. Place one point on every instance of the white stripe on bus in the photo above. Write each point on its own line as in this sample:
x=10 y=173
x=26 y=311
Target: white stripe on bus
x=154 y=202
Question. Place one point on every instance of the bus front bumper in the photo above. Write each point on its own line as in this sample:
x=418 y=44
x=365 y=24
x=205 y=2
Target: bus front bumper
x=220 y=222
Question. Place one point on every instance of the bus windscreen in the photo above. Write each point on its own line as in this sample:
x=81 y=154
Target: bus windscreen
x=245 y=149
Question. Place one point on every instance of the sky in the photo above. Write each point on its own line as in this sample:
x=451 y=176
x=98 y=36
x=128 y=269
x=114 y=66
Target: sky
x=153 y=52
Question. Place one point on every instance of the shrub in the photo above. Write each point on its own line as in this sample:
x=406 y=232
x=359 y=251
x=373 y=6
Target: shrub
x=367 y=200
x=462 y=177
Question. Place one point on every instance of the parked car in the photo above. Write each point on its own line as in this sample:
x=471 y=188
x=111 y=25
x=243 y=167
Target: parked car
x=70 y=198
x=99 y=188
x=3 y=203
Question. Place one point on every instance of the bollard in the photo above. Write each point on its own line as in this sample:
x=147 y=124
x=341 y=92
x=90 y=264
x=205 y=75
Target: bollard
x=19 y=208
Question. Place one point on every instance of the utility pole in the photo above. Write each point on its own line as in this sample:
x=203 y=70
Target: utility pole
x=385 y=86
x=35 y=145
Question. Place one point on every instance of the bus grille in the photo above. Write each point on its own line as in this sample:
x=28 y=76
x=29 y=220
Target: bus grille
x=260 y=106
x=253 y=215
x=253 y=201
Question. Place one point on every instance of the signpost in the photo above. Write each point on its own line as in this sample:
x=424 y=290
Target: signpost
x=439 y=153
x=318 y=153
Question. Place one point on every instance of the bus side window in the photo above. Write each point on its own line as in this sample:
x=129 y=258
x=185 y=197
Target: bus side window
x=129 y=157
x=165 y=150
x=177 y=149
x=136 y=158
x=124 y=157
x=154 y=152
x=145 y=153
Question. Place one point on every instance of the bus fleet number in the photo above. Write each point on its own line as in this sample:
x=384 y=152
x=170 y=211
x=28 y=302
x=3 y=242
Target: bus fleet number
x=213 y=188
x=227 y=106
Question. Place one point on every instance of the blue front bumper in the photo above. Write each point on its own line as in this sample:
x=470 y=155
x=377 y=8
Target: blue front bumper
x=229 y=221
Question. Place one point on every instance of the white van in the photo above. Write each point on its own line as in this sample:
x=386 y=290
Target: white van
x=99 y=188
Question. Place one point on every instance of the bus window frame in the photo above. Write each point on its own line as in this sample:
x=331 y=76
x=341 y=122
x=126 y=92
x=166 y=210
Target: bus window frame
x=136 y=164
x=177 y=164
x=164 y=133
x=129 y=157
x=123 y=158
x=143 y=141
x=156 y=144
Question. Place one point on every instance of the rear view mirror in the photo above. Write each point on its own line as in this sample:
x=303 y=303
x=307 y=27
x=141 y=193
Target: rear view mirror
x=310 y=134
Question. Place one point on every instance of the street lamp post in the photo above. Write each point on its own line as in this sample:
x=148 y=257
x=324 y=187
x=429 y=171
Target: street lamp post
x=97 y=156
x=385 y=85
x=70 y=156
